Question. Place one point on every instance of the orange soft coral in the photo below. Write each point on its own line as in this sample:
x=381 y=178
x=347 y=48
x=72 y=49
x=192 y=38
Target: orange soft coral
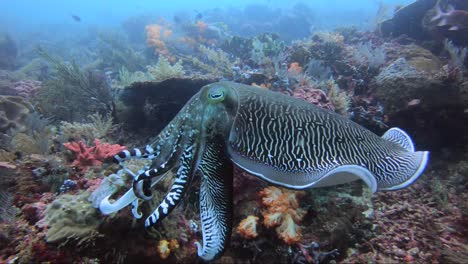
x=156 y=36
x=282 y=210
x=294 y=68
x=201 y=26
x=248 y=227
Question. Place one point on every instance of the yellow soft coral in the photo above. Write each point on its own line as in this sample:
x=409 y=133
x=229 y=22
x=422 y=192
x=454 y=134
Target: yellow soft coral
x=248 y=227
x=282 y=210
x=165 y=247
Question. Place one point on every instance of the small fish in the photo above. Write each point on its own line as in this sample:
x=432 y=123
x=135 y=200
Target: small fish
x=198 y=16
x=414 y=102
x=456 y=19
x=76 y=18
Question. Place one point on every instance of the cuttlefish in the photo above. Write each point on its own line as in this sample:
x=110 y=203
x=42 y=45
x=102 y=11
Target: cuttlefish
x=283 y=140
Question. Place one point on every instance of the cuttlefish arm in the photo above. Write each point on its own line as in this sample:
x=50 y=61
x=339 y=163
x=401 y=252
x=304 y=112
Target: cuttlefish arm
x=182 y=180
x=216 y=191
x=107 y=207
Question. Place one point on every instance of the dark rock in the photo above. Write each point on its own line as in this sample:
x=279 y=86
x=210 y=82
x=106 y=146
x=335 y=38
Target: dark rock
x=414 y=21
x=407 y=21
x=400 y=83
x=147 y=107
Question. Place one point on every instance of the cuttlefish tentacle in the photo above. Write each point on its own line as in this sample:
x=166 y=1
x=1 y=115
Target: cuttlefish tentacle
x=107 y=208
x=147 y=153
x=142 y=182
x=215 y=201
x=161 y=151
x=164 y=140
x=178 y=188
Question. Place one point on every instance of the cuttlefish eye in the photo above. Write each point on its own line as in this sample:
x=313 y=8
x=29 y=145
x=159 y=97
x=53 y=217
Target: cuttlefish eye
x=216 y=94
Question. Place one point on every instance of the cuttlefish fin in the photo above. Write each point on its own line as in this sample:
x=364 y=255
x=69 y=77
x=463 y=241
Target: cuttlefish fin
x=399 y=137
x=421 y=158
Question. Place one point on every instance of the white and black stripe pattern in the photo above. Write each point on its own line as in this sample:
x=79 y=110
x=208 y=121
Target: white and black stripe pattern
x=302 y=142
x=215 y=200
x=168 y=137
x=147 y=153
x=178 y=188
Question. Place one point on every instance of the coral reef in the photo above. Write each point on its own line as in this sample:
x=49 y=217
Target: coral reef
x=108 y=85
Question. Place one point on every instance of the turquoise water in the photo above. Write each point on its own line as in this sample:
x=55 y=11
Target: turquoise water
x=29 y=15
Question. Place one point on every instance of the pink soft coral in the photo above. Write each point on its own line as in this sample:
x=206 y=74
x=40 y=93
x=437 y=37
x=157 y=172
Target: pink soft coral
x=91 y=156
x=282 y=210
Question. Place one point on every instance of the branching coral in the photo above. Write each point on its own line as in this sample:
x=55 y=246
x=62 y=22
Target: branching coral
x=164 y=70
x=282 y=211
x=91 y=156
